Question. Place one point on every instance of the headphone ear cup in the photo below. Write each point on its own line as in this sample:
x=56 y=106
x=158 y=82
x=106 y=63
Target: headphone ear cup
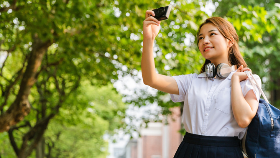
x=215 y=71
x=218 y=70
x=223 y=70
x=210 y=70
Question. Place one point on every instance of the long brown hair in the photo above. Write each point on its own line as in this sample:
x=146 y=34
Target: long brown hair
x=228 y=31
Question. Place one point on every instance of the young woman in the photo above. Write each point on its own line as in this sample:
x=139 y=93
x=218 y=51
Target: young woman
x=217 y=109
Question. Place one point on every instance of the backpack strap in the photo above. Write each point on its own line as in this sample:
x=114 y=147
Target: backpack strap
x=242 y=146
x=249 y=73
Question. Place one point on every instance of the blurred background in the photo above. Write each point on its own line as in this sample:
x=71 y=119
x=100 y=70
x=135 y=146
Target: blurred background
x=70 y=74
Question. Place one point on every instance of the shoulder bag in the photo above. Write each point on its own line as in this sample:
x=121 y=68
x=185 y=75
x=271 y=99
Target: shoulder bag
x=263 y=133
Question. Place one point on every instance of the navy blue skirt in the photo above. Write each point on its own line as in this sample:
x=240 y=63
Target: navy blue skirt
x=198 y=146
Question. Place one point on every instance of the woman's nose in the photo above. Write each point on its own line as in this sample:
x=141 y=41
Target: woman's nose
x=206 y=40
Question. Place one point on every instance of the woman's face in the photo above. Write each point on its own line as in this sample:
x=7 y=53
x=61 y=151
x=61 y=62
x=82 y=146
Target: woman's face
x=213 y=45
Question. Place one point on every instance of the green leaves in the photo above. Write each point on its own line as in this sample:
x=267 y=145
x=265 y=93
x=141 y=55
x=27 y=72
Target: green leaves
x=92 y=111
x=251 y=22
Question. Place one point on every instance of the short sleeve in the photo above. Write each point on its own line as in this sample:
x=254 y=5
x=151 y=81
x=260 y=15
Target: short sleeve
x=183 y=82
x=246 y=86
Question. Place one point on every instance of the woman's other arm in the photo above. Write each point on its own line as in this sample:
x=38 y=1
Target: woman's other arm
x=150 y=77
x=244 y=108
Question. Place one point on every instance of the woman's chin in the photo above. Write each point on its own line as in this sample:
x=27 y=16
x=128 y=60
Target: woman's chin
x=208 y=57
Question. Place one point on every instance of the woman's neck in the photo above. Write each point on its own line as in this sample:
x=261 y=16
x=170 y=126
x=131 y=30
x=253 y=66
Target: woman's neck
x=216 y=63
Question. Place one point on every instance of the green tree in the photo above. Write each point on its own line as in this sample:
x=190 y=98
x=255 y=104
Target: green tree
x=58 y=44
x=81 y=126
x=55 y=45
x=78 y=130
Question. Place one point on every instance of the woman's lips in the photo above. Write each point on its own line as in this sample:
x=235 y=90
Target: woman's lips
x=207 y=49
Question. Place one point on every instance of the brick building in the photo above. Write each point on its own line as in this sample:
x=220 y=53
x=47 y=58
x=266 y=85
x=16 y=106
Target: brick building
x=159 y=140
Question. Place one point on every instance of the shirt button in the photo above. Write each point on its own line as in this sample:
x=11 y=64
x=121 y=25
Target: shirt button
x=206 y=114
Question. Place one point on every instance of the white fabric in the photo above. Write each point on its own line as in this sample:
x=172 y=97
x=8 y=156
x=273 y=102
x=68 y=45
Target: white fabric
x=251 y=78
x=207 y=104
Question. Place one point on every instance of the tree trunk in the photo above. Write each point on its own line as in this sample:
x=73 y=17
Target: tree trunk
x=21 y=107
x=40 y=149
x=32 y=138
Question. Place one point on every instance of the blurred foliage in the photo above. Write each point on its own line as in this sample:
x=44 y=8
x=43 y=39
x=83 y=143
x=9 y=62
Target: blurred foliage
x=90 y=113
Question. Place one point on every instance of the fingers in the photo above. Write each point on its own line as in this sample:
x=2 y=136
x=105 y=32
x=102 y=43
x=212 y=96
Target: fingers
x=240 y=67
x=247 y=69
x=147 y=23
x=149 y=13
x=243 y=69
x=151 y=18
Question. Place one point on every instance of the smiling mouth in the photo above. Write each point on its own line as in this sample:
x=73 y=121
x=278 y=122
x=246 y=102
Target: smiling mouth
x=207 y=49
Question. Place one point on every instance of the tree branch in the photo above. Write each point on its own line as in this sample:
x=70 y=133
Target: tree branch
x=20 y=107
x=32 y=107
x=49 y=65
x=11 y=136
x=56 y=83
x=62 y=93
x=36 y=133
x=12 y=141
x=51 y=145
x=6 y=93
x=75 y=86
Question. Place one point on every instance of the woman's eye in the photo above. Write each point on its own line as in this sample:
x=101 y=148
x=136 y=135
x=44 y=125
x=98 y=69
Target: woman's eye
x=199 y=38
x=212 y=34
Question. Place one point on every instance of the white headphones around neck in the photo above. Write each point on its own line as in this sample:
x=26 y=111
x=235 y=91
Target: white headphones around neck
x=222 y=70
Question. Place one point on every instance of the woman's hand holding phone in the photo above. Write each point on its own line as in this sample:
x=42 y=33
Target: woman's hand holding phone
x=151 y=25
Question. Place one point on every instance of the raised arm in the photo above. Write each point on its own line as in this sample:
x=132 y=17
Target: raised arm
x=163 y=83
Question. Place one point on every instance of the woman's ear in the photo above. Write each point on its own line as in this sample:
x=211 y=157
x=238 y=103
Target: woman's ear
x=229 y=43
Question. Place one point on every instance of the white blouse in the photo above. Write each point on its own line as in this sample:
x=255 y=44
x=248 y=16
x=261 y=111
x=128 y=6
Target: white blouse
x=207 y=104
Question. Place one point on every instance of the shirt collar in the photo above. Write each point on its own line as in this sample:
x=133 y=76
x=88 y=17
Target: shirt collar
x=202 y=75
